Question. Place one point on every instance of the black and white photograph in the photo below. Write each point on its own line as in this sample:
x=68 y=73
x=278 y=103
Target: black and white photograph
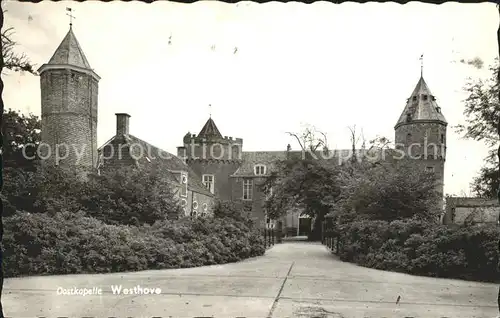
x=250 y=160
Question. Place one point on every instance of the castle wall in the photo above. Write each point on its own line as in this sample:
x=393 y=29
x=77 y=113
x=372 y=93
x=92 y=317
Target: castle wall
x=477 y=210
x=256 y=205
x=221 y=172
x=424 y=135
x=415 y=132
x=219 y=149
x=69 y=117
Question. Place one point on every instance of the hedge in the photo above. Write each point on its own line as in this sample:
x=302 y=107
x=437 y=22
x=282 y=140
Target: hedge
x=68 y=243
x=420 y=248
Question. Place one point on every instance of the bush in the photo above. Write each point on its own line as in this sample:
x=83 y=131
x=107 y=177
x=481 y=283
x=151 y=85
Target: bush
x=68 y=242
x=422 y=248
x=123 y=196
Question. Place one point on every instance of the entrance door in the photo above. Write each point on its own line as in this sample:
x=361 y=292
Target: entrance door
x=304 y=226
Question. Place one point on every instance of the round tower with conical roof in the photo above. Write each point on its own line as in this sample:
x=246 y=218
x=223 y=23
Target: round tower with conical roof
x=69 y=93
x=421 y=132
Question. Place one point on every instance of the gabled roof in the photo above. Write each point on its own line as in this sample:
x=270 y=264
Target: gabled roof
x=210 y=130
x=421 y=106
x=147 y=153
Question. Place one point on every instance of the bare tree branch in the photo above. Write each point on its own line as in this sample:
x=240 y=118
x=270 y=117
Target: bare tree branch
x=14 y=61
x=298 y=139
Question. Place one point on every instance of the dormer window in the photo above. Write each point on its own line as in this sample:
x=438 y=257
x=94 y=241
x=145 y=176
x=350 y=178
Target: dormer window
x=414 y=98
x=438 y=109
x=408 y=117
x=259 y=170
x=433 y=98
x=208 y=181
x=425 y=97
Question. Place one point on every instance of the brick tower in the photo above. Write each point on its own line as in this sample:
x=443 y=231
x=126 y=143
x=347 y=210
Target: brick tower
x=69 y=89
x=421 y=132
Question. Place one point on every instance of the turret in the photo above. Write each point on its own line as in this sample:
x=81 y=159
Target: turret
x=69 y=94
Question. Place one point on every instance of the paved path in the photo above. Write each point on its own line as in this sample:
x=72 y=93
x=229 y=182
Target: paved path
x=291 y=280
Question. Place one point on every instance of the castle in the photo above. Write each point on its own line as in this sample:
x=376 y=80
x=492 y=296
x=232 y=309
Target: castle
x=207 y=165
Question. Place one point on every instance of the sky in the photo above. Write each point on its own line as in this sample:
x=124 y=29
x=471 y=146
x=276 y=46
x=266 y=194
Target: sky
x=326 y=65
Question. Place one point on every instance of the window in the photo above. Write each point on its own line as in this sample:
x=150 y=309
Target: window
x=208 y=181
x=425 y=97
x=269 y=193
x=408 y=139
x=429 y=169
x=195 y=205
x=442 y=138
x=414 y=98
x=205 y=207
x=247 y=189
x=408 y=117
x=260 y=170
x=184 y=180
x=452 y=214
x=269 y=222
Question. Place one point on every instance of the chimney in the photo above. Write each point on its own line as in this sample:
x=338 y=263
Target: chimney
x=122 y=121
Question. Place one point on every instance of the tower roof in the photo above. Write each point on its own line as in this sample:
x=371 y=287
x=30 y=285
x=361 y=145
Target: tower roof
x=421 y=106
x=210 y=130
x=69 y=52
x=70 y=55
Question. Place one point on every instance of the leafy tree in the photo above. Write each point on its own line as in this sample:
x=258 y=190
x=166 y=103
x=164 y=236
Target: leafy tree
x=21 y=137
x=308 y=184
x=482 y=112
x=387 y=191
x=130 y=196
x=119 y=196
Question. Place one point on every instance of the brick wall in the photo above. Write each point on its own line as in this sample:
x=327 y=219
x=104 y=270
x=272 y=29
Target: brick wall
x=217 y=148
x=414 y=133
x=478 y=210
x=256 y=205
x=221 y=170
x=69 y=117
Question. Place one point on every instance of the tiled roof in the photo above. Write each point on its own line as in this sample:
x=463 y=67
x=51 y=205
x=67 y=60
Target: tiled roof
x=69 y=52
x=210 y=130
x=421 y=105
x=269 y=159
x=168 y=160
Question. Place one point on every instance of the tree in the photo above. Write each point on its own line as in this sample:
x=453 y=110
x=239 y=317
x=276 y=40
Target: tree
x=21 y=137
x=482 y=113
x=13 y=60
x=309 y=141
x=129 y=196
x=388 y=191
x=306 y=182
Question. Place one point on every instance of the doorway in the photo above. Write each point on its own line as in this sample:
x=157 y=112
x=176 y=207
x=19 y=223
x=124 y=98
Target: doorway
x=304 y=226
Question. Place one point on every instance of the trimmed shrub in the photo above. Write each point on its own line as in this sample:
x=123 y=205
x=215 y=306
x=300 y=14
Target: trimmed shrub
x=421 y=248
x=67 y=243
